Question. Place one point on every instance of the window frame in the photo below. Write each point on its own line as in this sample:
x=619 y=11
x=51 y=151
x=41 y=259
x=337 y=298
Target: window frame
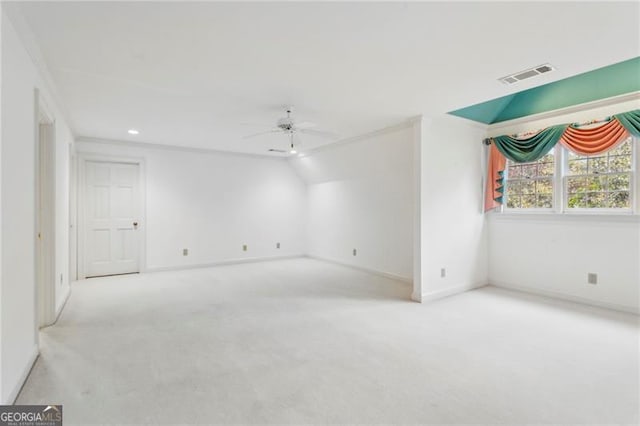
x=560 y=188
x=601 y=210
x=534 y=210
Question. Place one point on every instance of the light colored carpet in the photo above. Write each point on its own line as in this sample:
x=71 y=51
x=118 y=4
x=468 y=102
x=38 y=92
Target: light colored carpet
x=303 y=341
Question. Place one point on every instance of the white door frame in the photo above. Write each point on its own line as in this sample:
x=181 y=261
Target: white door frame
x=85 y=157
x=73 y=215
x=45 y=220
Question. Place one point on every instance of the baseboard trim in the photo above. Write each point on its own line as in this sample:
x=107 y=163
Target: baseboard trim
x=567 y=297
x=33 y=356
x=363 y=269
x=450 y=291
x=222 y=263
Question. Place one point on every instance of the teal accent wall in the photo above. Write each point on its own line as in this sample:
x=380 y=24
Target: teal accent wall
x=612 y=80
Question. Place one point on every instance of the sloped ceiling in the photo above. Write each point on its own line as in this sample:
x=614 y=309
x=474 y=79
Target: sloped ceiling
x=602 y=83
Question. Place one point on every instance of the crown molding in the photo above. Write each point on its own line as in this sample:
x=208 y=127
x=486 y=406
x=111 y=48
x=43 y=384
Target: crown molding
x=353 y=139
x=151 y=145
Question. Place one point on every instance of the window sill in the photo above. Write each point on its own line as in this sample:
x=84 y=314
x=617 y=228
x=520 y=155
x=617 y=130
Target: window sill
x=624 y=217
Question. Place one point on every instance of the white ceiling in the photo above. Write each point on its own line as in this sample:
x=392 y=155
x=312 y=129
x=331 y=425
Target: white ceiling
x=189 y=74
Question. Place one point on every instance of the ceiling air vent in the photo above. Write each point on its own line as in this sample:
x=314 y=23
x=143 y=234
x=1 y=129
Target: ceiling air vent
x=544 y=68
x=523 y=75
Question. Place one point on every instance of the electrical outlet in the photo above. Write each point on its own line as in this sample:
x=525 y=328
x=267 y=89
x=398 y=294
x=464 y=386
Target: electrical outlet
x=592 y=278
x=244 y=247
x=277 y=245
x=355 y=252
x=443 y=272
x=185 y=252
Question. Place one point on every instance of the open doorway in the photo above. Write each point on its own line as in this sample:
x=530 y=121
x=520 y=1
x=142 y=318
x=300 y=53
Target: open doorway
x=45 y=212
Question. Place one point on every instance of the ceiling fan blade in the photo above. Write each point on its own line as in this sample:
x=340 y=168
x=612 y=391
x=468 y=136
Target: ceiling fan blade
x=266 y=126
x=304 y=125
x=262 y=133
x=320 y=133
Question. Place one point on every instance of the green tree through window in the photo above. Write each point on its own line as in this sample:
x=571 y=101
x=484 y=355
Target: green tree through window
x=530 y=185
x=602 y=181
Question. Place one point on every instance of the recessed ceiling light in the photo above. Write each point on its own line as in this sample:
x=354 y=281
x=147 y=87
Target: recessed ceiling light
x=133 y=132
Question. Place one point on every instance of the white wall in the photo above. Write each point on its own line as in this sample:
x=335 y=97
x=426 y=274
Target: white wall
x=552 y=254
x=361 y=196
x=213 y=203
x=453 y=229
x=20 y=77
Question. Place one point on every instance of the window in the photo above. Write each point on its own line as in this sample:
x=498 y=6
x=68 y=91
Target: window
x=600 y=182
x=530 y=185
x=573 y=183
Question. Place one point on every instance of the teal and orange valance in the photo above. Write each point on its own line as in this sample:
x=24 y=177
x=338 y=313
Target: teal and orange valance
x=587 y=141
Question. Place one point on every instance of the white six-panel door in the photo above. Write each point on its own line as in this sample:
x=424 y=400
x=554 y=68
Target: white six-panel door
x=111 y=203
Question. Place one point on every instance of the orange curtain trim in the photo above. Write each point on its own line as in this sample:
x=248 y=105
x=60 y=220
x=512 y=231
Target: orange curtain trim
x=596 y=140
x=497 y=163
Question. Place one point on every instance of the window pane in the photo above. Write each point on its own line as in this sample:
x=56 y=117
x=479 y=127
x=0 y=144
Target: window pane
x=572 y=155
x=545 y=201
x=513 y=201
x=545 y=169
x=597 y=183
x=619 y=200
x=578 y=167
x=529 y=170
x=578 y=200
x=620 y=163
x=623 y=149
x=513 y=187
x=529 y=201
x=596 y=200
x=528 y=186
x=544 y=186
x=576 y=185
x=597 y=165
x=619 y=182
x=514 y=171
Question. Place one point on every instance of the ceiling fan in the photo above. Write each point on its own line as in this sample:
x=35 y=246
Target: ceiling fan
x=289 y=126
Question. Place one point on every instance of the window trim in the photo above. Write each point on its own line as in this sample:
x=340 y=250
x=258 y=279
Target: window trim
x=604 y=210
x=560 y=189
x=533 y=210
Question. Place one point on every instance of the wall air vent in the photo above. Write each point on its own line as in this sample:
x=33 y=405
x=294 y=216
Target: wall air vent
x=523 y=75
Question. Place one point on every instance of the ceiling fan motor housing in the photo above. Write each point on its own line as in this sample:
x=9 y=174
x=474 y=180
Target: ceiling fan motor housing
x=285 y=123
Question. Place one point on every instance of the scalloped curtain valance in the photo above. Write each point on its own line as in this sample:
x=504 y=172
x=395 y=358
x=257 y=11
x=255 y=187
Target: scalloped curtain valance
x=581 y=141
